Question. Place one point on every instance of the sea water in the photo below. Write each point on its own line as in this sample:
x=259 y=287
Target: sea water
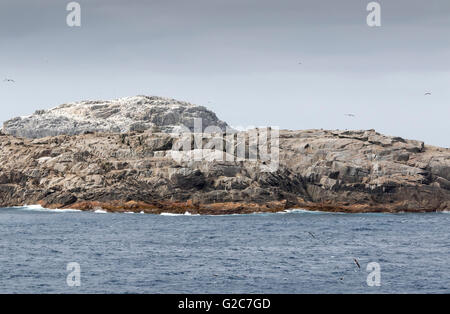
x=290 y=252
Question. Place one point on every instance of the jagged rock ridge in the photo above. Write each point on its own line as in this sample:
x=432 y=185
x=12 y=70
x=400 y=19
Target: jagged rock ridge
x=349 y=171
x=137 y=113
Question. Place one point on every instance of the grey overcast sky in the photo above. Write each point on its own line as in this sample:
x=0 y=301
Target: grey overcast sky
x=240 y=58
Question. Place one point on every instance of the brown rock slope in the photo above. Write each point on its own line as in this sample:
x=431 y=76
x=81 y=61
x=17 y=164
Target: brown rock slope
x=349 y=171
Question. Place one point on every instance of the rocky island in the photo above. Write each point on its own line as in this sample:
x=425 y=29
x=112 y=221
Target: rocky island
x=118 y=156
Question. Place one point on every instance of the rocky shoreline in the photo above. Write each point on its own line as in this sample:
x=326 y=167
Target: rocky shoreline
x=234 y=208
x=93 y=171
x=134 y=170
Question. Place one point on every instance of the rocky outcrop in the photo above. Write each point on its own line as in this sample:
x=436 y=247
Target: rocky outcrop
x=349 y=171
x=138 y=113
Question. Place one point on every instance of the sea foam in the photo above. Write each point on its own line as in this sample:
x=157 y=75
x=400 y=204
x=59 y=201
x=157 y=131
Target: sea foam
x=39 y=208
x=172 y=214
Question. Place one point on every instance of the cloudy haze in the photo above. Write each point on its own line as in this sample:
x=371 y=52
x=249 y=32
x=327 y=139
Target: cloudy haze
x=240 y=59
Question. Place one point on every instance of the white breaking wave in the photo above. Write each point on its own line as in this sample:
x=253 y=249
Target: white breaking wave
x=39 y=208
x=286 y=211
x=172 y=214
x=303 y=211
x=100 y=211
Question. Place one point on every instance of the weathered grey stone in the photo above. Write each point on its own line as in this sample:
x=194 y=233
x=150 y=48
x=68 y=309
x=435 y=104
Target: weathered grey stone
x=351 y=171
x=137 y=113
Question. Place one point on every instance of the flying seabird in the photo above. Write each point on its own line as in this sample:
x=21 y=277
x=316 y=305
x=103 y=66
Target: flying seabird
x=9 y=80
x=357 y=263
x=349 y=115
x=427 y=93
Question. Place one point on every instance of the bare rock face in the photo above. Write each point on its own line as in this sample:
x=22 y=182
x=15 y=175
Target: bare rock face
x=348 y=171
x=137 y=113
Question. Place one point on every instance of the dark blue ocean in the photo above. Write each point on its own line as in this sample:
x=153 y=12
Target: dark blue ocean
x=296 y=252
